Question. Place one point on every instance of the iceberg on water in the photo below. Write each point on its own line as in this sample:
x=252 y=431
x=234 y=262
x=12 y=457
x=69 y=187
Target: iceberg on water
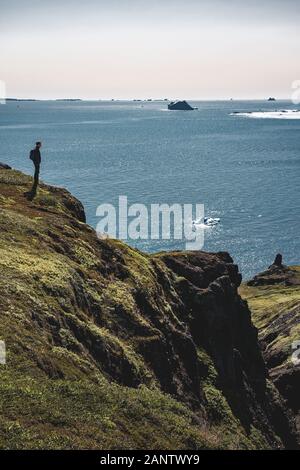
x=280 y=114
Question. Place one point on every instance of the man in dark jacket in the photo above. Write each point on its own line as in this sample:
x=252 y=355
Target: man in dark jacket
x=35 y=156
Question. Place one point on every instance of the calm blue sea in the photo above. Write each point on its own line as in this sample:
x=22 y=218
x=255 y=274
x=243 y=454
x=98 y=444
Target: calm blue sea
x=245 y=171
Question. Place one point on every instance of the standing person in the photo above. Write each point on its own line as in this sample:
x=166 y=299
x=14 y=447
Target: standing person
x=35 y=156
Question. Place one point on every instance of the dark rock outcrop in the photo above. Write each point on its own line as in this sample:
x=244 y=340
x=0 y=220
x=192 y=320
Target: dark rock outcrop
x=4 y=166
x=180 y=106
x=276 y=273
x=277 y=261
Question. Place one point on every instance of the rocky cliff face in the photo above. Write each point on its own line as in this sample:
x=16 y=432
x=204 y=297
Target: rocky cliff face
x=274 y=299
x=108 y=347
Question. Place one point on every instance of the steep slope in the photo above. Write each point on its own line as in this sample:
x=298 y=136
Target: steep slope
x=108 y=347
x=274 y=299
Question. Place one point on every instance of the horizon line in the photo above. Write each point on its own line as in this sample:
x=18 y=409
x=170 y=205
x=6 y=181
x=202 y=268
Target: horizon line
x=142 y=99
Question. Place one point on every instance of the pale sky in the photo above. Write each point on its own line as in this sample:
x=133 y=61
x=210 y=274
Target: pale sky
x=193 y=49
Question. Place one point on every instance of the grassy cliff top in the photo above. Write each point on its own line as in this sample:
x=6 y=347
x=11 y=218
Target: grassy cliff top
x=55 y=391
x=276 y=313
x=111 y=348
x=275 y=308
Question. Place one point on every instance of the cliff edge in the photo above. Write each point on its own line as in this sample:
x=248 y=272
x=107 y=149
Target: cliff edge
x=111 y=348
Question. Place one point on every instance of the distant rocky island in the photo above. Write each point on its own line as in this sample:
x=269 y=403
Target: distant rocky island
x=180 y=106
x=21 y=99
x=68 y=99
x=34 y=99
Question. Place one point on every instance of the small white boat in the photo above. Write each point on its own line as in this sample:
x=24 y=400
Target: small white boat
x=207 y=222
x=211 y=221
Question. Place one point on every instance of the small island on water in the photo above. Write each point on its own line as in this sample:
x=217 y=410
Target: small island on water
x=180 y=106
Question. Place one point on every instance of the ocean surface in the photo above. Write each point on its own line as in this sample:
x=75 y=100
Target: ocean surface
x=244 y=168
